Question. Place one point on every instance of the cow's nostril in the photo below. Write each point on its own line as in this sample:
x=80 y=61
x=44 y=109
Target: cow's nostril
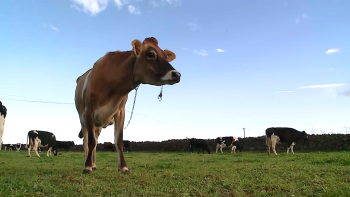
x=174 y=74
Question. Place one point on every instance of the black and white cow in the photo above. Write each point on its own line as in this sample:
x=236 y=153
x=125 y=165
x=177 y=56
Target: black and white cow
x=64 y=145
x=286 y=135
x=229 y=142
x=18 y=147
x=200 y=144
x=237 y=145
x=126 y=145
x=3 y=113
x=8 y=147
x=42 y=139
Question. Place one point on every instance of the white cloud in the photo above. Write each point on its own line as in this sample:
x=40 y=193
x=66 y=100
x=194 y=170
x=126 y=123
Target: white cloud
x=133 y=10
x=334 y=85
x=288 y=91
x=331 y=69
x=220 y=50
x=334 y=50
x=94 y=7
x=201 y=52
x=91 y=6
x=296 y=21
x=172 y=2
x=119 y=3
x=54 y=28
x=192 y=26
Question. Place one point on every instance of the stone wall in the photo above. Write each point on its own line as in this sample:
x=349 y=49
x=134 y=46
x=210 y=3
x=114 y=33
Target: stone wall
x=314 y=143
x=322 y=142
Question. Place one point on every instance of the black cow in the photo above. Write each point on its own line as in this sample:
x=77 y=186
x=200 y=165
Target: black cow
x=200 y=144
x=126 y=145
x=42 y=139
x=64 y=145
x=286 y=135
x=3 y=113
x=229 y=142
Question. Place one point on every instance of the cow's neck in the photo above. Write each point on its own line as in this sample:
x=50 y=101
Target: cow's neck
x=126 y=82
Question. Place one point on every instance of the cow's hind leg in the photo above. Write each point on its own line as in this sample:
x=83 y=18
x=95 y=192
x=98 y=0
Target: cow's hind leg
x=97 y=134
x=273 y=144
x=89 y=134
x=36 y=145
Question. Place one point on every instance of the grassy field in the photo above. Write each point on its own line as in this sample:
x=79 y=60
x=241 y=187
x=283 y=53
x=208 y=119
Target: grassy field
x=177 y=174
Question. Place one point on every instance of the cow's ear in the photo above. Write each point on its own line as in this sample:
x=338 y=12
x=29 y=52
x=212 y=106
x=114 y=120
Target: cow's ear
x=136 y=47
x=170 y=55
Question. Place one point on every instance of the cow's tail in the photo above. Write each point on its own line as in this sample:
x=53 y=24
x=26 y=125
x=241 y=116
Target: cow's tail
x=27 y=142
x=81 y=133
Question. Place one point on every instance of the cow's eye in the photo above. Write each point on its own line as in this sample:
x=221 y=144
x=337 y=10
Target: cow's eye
x=151 y=55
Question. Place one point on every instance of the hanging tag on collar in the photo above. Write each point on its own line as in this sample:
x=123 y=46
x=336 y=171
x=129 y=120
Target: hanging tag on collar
x=160 y=96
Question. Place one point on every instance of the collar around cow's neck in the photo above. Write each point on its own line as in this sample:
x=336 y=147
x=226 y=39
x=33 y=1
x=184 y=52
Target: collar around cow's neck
x=134 y=84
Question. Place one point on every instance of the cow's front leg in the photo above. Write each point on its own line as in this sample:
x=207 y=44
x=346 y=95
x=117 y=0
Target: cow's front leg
x=118 y=140
x=217 y=148
x=89 y=134
x=221 y=148
x=291 y=147
x=97 y=134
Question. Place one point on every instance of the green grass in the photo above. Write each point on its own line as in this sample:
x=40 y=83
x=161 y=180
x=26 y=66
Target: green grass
x=177 y=174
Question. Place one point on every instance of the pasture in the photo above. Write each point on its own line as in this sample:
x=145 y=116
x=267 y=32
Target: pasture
x=177 y=174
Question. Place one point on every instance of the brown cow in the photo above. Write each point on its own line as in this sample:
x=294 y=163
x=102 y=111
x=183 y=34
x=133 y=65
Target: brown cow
x=102 y=92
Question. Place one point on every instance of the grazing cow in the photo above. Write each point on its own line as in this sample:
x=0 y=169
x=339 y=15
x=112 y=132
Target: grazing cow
x=8 y=146
x=41 y=139
x=200 y=144
x=3 y=113
x=101 y=92
x=126 y=145
x=229 y=142
x=64 y=145
x=286 y=135
x=18 y=147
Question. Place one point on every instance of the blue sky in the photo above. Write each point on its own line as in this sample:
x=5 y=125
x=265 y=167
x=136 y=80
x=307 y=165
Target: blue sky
x=245 y=64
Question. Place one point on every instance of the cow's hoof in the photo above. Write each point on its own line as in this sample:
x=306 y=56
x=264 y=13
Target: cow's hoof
x=86 y=171
x=94 y=168
x=124 y=170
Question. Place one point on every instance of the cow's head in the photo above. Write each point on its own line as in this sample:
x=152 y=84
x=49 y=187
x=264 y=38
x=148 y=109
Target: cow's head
x=304 y=135
x=152 y=64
